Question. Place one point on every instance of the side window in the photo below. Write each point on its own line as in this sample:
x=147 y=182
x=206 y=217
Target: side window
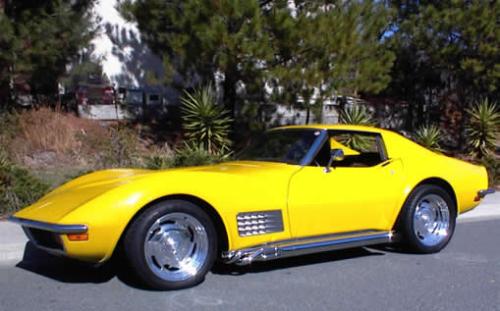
x=361 y=149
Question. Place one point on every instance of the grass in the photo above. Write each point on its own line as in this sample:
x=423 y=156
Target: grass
x=55 y=177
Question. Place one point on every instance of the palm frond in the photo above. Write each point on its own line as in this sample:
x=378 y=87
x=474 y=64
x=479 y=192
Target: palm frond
x=356 y=114
x=483 y=127
x=428 y=136
x=205 y=122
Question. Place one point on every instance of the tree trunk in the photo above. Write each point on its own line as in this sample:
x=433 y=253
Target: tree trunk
x=229 y=87
x=229 y=100
x=308 y=113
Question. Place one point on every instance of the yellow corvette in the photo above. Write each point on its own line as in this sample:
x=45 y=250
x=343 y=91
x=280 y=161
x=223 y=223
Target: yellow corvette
x=296 y=190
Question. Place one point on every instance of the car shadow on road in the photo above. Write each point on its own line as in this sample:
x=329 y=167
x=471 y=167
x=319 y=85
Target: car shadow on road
x=292 y=262
x=71 y=271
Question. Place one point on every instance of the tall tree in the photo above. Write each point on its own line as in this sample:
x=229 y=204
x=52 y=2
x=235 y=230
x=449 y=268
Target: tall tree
x=329 y=47
x=201 y=40
x=448 y=56
x=39 y=38
x=257 y=47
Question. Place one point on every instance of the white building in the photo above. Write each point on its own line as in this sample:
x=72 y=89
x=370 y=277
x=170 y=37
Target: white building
x=128 y=63
x=126 y=60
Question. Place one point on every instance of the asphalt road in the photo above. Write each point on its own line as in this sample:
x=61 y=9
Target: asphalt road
x=464 y=276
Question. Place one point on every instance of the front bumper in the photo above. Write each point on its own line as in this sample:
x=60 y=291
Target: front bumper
x=47 y=236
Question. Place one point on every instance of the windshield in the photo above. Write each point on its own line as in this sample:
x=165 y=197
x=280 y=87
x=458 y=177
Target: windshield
x=286 y=146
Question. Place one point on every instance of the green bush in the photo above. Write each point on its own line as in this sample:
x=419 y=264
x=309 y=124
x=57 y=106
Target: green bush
x=356 y=114
x=206 y=124
x=159 y=162
x=18 y=188
x=189 y=154
x=492 y=164
x=10 y=125
x=428 y=136
x=9 y=129
x=193 y=155
x=121 y=149
x=159 y=158
x=483 y=128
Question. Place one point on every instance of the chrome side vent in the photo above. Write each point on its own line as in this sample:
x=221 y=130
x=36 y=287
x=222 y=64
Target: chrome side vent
x=262 y=222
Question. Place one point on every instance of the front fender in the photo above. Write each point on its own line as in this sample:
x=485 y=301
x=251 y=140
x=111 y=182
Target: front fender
x=108 y=215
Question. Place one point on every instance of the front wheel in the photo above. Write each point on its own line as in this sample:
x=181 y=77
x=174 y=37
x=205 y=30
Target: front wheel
x=171 y=245
x=427 y=221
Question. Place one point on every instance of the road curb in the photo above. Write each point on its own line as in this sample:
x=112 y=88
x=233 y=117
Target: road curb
x=11 y=253
x=488 y=209
x=12 y=243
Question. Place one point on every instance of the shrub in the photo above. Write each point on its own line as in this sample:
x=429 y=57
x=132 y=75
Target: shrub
x=18 y=188
x=4 y=160
x=122 y=148
x=9 y=127
x=356 y=114
x=160 y=158
x=45 y=129
x=483 y=127
x=428 y=136
x=193 y=155
x=40 y=130
x=206 y=124
x=116 y=146
x=492 y=164
x=189 y=154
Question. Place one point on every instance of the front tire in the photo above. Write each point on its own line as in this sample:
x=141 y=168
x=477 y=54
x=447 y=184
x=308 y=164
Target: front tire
x=171 y=245
x=427 y=220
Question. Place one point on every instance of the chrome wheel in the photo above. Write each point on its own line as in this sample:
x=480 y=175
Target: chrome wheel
x=431 y=221
x=176 y=247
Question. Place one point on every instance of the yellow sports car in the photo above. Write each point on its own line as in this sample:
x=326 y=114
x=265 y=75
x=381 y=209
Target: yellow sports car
x=296 y=190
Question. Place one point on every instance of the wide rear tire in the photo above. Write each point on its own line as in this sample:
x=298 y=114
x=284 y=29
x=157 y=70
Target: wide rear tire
x=171 y=245
x=427 y=220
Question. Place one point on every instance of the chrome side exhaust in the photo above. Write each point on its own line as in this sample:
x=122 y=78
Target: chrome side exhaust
x=303 y=246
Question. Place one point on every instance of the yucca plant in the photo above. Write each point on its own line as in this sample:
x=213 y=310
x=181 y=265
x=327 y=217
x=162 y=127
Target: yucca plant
x=428 y=136
x=483 y=127
x=205 y=123
x=356 y=114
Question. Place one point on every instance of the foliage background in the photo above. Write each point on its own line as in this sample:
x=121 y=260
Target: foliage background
x=435 y=63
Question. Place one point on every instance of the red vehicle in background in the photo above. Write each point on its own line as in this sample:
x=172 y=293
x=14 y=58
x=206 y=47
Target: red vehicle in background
x=95 y=94
x=97 y=101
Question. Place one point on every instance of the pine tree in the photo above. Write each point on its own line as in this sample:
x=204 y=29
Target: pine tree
x=327 y=48
x=448 y=56
x=199 y=40
x=295 y=48
x=39 y=38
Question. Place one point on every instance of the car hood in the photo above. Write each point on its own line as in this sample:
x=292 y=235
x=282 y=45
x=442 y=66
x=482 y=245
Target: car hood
x=64 y=199
x=54 y=206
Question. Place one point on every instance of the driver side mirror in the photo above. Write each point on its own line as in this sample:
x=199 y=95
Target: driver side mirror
x=336 y=155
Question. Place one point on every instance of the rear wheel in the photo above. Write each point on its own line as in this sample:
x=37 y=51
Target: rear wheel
x=427 y=221
x=171 y=245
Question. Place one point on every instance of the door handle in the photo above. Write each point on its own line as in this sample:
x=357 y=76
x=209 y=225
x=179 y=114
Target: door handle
x=387 y=162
